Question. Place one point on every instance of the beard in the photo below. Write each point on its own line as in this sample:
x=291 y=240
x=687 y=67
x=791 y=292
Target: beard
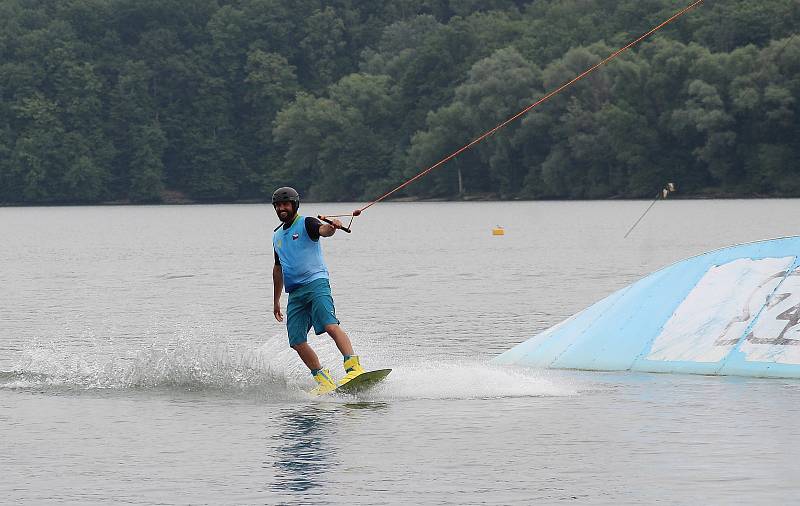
x=285 y=216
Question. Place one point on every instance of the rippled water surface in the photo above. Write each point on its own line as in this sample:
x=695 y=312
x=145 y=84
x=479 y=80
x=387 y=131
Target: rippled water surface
x=140 y=362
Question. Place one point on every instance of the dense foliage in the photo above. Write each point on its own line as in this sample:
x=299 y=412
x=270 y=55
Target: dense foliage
x=227 y=99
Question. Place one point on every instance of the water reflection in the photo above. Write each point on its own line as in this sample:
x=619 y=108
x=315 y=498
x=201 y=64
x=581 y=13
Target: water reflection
x=305 y=452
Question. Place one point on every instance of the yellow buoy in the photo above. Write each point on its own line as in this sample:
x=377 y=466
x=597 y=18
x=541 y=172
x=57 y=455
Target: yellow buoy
x=498 y=230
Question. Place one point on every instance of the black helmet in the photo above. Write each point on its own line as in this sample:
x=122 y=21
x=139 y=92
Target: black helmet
x=287 y=194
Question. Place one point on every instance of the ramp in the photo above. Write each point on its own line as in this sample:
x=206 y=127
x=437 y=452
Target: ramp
x=733 y=311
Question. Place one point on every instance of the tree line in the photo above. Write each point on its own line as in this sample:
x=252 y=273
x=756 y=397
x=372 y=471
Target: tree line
x=224 y=100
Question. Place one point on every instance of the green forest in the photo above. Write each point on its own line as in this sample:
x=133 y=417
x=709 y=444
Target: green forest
x=148 y=101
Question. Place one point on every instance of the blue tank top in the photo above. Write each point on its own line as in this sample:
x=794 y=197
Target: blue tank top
x=300 y=256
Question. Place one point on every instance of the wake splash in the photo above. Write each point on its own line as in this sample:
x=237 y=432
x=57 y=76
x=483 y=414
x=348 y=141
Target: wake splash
x=182 y=365
x=466 y=380
x=271 y=371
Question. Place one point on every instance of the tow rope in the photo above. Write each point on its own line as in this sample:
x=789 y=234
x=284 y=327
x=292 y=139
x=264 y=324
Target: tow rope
x=516 y=116
x=663 y=194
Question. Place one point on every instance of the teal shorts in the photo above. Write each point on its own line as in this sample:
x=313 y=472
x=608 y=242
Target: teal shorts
x=309 y=305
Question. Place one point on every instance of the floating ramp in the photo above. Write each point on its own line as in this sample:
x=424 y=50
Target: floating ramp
x=733 y=311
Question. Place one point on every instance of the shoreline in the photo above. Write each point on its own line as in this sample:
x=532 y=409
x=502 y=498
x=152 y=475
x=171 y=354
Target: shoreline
x=185 y=201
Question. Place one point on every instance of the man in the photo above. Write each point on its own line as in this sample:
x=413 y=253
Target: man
x=300 y=267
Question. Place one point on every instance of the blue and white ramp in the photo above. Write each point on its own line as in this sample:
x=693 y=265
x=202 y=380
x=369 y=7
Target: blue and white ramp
x=734 y=311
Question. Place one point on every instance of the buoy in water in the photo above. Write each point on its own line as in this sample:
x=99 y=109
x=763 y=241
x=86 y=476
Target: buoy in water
x=498 y=230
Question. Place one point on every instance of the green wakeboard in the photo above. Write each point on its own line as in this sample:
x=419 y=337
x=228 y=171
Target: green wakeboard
x=363 y=381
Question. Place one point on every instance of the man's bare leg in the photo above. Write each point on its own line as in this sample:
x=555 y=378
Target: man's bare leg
x=340 y=338
x=308 y=356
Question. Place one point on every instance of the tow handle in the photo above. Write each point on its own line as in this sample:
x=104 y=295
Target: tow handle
x=329 y=222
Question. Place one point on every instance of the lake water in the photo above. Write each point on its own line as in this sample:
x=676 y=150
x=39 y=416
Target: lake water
x=140 y=362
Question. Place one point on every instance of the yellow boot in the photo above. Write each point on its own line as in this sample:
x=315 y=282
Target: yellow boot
x=352 y=368
x=326 y=383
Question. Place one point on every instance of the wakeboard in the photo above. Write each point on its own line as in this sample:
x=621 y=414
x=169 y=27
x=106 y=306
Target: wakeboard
x=363 y=382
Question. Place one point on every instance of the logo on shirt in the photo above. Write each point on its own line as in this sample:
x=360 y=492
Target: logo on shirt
x=295 y=236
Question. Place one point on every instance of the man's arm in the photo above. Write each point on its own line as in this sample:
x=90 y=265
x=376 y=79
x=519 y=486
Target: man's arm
x=277 y=283
x=327 y=230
